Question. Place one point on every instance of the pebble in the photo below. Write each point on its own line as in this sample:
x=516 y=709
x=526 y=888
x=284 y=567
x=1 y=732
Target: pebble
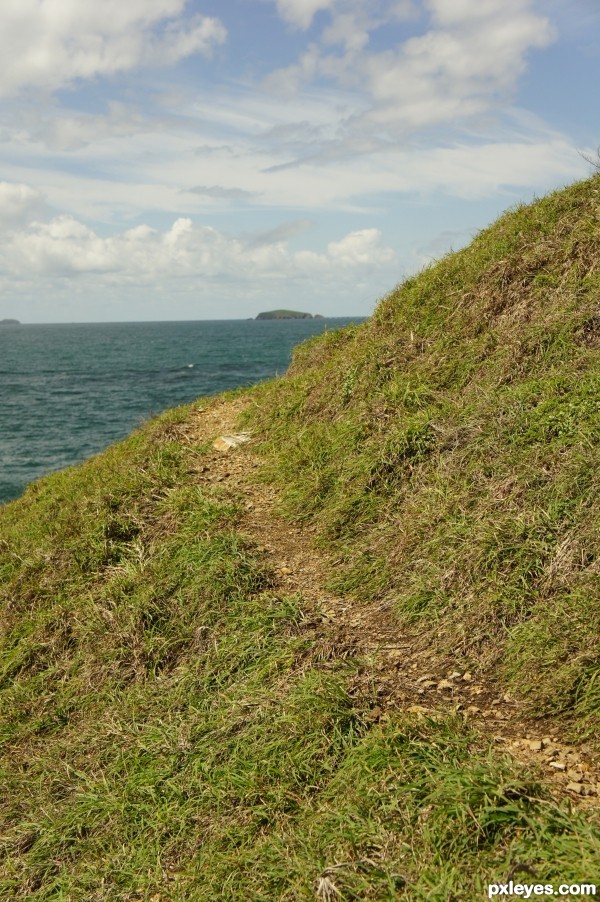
x=575 y=787
x=227 y=442
x=467 y=677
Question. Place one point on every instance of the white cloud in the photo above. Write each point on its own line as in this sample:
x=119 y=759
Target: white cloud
x=66 y=247
x=459 y=12
x=466 y=60
x=301 y=12
x=19 y=203
x=48 y=44
x=361 y=247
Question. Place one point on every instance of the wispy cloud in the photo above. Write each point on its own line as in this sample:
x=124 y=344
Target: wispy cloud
x=281 y=233
x=218 y=192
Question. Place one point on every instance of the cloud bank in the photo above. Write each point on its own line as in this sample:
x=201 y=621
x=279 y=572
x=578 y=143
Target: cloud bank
x=62 y=246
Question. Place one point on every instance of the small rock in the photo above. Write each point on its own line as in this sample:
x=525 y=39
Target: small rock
x=227 y=442
x=467 y=677
x=574 y=776
x=473 y=709
x=557 y=765
x=576 y=788
x=535 y=745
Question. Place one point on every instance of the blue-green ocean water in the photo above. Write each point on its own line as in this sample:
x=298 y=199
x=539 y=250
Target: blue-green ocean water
x=68 y=391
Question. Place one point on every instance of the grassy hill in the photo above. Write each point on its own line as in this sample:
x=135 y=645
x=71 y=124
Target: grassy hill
x=448 y=450
x=173 y=723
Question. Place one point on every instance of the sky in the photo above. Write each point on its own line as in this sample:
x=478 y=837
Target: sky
x=209 y=159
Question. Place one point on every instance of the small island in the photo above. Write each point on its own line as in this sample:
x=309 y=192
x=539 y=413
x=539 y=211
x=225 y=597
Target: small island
x=285 y=314
x=9 y=322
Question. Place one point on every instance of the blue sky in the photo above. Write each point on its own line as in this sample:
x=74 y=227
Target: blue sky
x=163 y=159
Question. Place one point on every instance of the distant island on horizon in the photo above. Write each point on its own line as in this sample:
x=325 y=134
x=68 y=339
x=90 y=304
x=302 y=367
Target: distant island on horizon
x=287 y=314
x=9 y=322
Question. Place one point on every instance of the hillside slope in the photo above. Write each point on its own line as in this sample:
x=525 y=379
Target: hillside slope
x=447 y=451
x=202 y=699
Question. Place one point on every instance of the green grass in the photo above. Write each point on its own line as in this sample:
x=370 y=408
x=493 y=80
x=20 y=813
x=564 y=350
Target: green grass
x=167 y=729
x=447 y=452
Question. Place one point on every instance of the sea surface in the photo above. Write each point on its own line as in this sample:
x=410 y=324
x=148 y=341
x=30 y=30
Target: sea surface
x=68 y=391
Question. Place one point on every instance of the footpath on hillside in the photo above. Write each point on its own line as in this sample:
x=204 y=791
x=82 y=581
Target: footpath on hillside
x=395 y=672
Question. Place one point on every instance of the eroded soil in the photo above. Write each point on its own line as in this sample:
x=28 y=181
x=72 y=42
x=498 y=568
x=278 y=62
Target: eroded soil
x=395 y=671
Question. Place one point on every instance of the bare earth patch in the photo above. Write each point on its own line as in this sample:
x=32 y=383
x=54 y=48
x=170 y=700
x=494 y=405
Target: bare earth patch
x=396 y=672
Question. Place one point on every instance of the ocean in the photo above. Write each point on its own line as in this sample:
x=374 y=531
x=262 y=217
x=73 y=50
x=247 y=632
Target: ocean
x=68 y=391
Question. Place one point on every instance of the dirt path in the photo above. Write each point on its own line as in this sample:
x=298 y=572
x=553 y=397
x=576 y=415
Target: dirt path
x=397 y=672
